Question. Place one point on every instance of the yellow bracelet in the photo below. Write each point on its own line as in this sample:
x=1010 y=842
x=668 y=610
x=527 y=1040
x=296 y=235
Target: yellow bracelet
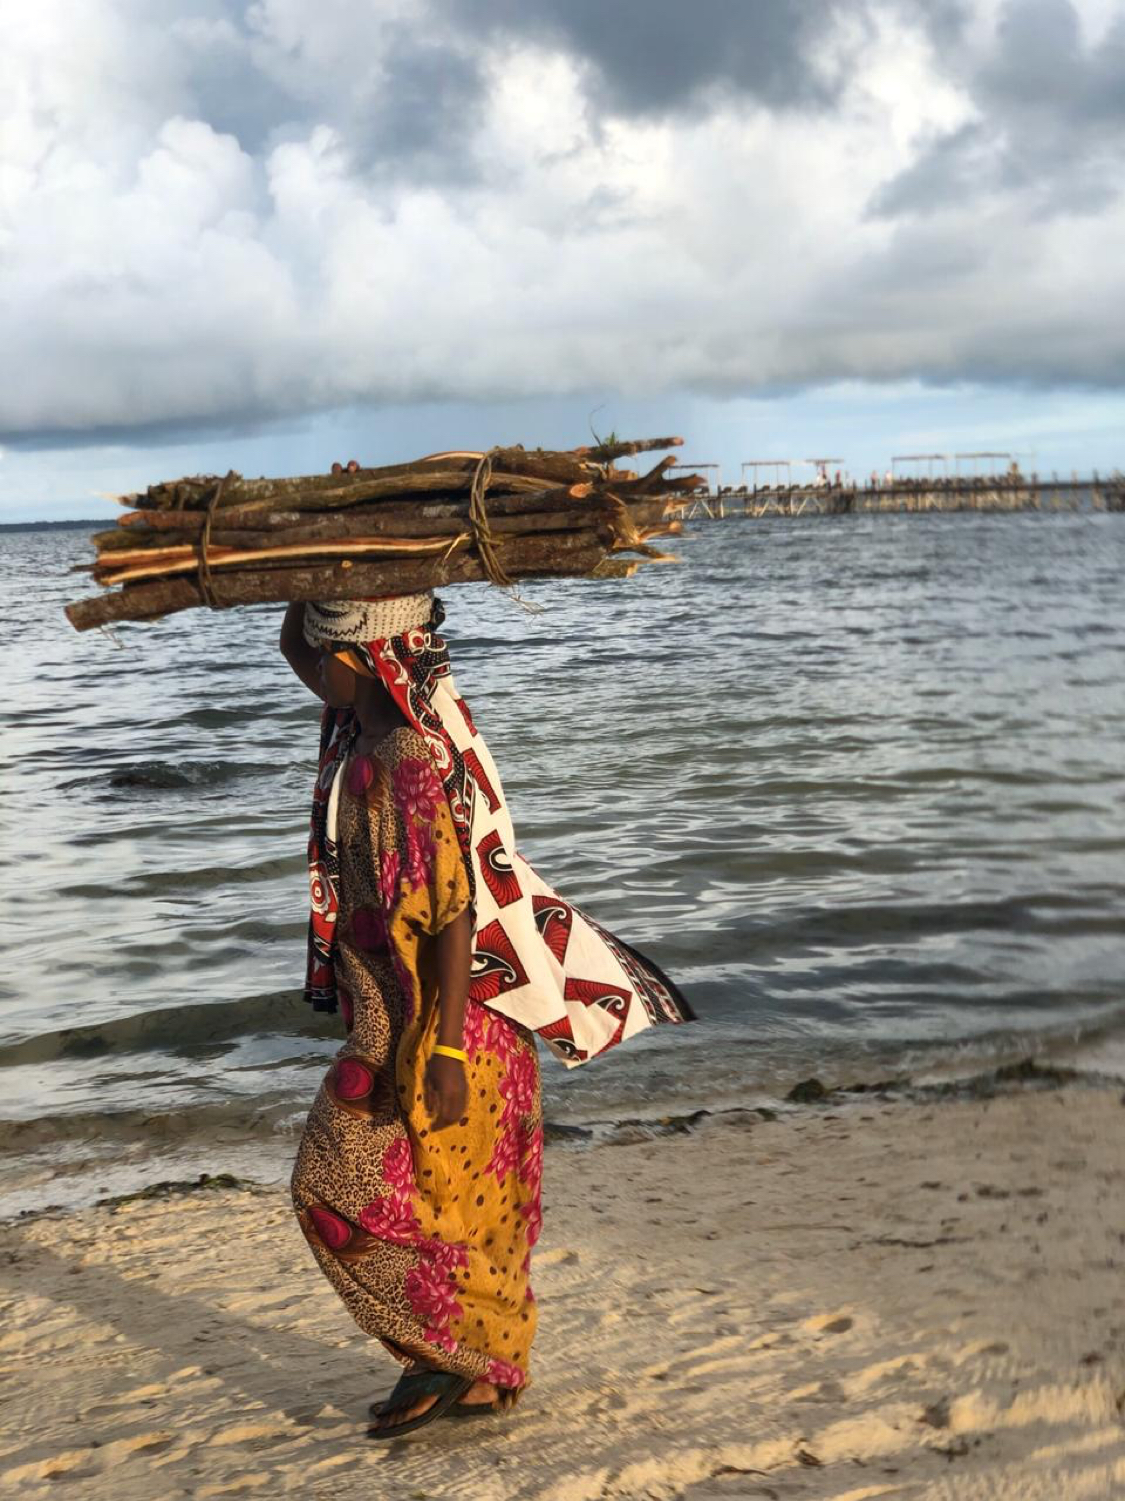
x=451 y=1052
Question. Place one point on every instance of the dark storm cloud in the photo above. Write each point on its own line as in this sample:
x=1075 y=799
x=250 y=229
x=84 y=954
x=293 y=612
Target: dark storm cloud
x=421 y=109
x=233 y=94
x=658 y=56
x=406 y=97
x=1051 y=119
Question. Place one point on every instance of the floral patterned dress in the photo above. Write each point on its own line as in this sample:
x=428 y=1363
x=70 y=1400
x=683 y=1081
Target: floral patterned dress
x=426 y=1235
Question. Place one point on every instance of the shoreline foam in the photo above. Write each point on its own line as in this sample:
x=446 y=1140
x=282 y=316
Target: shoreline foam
x=137 y=1147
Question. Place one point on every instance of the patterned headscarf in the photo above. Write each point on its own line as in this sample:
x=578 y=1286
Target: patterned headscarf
x=536 y=958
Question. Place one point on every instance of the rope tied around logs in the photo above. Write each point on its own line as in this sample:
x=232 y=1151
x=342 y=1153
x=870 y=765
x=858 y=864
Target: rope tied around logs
x=204 y=577
x=483 y=535
x=478 y=520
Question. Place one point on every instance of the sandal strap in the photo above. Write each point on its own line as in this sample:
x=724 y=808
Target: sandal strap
x=414 y=1384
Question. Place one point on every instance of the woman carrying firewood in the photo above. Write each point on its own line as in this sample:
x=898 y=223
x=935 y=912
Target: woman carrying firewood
x=417 y=1182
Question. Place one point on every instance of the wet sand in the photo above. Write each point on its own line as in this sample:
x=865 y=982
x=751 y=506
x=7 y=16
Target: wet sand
x=910 y=1300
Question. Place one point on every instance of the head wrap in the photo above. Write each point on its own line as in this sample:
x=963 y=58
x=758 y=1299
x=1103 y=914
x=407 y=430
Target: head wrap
x=536 y=958
x=352 y=621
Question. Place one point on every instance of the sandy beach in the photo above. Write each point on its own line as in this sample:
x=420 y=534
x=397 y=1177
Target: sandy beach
x=910 y=1300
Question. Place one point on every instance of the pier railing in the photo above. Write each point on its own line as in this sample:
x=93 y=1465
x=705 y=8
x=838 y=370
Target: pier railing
x=998 y=493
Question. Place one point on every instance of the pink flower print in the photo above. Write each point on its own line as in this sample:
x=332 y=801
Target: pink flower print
x=417 y=789
x=442 y=1338
x=531 y=1158
x=476 y=1027
x=444 y=1254
x=419 y=858
x=533 y=1214
x=518 y=1086
x=486 y=1031
x=503 y=1040
x=398 y=1165
x=361 y=775
x=504 y=1373
x=391 y=1219
x=432 y=1296
x=369 y=929
x=505 y=1154
x=388 y=878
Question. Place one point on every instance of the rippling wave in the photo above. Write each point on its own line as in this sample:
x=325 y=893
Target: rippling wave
x=857 y=783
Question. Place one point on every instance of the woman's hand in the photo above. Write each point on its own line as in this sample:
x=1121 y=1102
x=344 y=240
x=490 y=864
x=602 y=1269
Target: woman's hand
x=445 y=1090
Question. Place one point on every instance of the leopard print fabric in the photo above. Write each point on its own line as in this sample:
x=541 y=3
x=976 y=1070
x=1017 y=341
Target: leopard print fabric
x=426 y=1235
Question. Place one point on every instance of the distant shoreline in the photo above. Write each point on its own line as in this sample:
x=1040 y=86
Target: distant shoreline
x=52 y=526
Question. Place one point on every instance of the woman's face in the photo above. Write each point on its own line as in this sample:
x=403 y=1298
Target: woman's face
x=337 y=680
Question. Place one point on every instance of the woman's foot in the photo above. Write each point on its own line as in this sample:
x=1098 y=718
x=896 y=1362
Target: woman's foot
x=481 y=1393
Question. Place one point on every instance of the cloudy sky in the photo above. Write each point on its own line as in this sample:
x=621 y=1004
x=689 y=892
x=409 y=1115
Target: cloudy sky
x=273 y=234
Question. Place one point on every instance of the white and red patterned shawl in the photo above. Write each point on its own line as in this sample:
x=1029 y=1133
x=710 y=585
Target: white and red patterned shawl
x=536 y=958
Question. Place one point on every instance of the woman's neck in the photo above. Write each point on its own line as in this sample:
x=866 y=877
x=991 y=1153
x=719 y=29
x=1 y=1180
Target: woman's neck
x=378 y=714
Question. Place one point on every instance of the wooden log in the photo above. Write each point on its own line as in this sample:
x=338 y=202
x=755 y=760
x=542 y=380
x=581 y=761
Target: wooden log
x=448 y=519
x=519 y=503
x=509 y=466
x=169 y=561
x=117 y=548
x=543 y=464
x=166 y=562
x=604 y=453
x=574 y=555
x=511 y=470
x=163 y=562
x=307 y=495
x=646 y=483
x=346 y=534
x=195 y=491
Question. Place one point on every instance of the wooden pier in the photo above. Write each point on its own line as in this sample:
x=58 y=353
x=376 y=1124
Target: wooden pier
x=898 y=495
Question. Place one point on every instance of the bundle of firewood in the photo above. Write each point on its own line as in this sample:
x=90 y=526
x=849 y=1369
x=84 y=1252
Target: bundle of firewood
x=450 y=518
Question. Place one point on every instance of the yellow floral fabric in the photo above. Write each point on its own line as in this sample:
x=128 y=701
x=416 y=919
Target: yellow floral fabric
x=425 y=1234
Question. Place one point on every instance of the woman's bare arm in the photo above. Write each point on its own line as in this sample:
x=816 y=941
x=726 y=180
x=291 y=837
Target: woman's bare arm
x=445 y=1085
x=303 y=658
x=454 y=966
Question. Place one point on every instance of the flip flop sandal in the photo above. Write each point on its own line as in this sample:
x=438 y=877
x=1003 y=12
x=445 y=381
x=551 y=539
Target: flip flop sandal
x=459 y=1409
x=443 y=1385
x=476 y=1409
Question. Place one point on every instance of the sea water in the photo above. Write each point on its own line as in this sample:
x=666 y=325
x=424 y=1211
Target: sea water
x=858 y=784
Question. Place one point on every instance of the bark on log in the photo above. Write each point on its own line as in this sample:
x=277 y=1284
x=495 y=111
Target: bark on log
x=647 y=483
x=253 y=519
x=573 y=554
x=195 y=491
x=512 y=469
x=117 y=548
x=167 y=562
x=605 y=453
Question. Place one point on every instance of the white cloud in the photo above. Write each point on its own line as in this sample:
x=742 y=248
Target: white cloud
x=247 y=210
